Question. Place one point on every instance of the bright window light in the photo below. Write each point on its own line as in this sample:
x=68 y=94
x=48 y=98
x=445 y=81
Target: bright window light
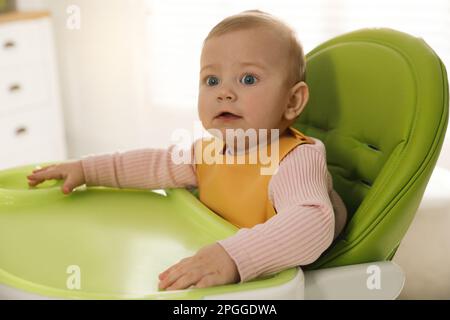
x=176 y=29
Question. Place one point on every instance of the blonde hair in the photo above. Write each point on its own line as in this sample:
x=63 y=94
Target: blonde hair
x=256 y=18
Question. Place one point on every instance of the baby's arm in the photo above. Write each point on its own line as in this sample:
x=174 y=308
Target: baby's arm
x=140 y=169
x=304 y=225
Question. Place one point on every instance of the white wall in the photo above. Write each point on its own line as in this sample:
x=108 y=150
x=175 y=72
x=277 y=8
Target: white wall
x=99 y=67
x=103 y=79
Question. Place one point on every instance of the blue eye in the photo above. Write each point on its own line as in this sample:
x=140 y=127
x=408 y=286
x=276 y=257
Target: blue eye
x=248 y=79
x=212 y=81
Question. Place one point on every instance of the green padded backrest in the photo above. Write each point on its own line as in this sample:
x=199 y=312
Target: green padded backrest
x=379 y=102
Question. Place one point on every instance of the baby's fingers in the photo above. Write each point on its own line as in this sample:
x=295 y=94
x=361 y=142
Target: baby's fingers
x=69 y=185
x=42 y=169
x=38 y=177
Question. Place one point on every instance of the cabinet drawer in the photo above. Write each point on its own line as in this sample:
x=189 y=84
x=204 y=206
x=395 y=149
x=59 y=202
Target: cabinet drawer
x=22 y=86
x=24 y=41
x=31 y=137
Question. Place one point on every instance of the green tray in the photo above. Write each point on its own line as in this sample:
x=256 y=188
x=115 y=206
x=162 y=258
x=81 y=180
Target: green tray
x=119 y=240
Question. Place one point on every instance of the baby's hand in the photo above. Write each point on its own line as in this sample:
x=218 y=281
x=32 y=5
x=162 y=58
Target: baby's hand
x=71 y=172
x=210 y=266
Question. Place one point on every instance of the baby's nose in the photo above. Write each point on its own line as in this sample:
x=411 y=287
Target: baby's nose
x=228 y=96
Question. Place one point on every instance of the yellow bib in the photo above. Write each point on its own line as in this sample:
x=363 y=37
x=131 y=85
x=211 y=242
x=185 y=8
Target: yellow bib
x=239 y=192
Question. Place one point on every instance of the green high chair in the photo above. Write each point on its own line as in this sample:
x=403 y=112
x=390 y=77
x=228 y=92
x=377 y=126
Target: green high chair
x=379 y=102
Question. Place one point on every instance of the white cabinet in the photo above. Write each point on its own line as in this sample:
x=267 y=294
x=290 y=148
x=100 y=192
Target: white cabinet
x=31 y=122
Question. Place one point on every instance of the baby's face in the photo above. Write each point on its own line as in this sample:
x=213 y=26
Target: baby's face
x=244 y=73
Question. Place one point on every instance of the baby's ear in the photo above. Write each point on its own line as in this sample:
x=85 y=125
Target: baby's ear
x=298 y=98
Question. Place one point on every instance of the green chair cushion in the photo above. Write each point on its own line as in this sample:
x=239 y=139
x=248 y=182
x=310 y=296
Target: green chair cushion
x=379 y=102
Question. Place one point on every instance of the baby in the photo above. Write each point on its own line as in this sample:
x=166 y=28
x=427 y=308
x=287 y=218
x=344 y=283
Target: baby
x=252 y=77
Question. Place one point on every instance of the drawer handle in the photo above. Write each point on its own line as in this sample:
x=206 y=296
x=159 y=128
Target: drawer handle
x=9 y=44
x=20 y=131
x=15 y=87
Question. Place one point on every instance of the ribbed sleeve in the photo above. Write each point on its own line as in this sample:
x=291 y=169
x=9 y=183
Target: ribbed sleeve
x=140 y=169
x=304 y=225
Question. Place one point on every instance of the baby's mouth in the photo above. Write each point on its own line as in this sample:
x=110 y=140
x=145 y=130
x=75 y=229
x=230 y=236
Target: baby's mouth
x=227 y=116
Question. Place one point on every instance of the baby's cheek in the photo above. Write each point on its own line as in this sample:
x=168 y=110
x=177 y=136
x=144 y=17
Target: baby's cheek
x=204 y=113
x=256 y=118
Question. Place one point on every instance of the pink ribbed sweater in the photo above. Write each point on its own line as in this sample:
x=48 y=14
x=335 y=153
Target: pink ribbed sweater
x=310 y=214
